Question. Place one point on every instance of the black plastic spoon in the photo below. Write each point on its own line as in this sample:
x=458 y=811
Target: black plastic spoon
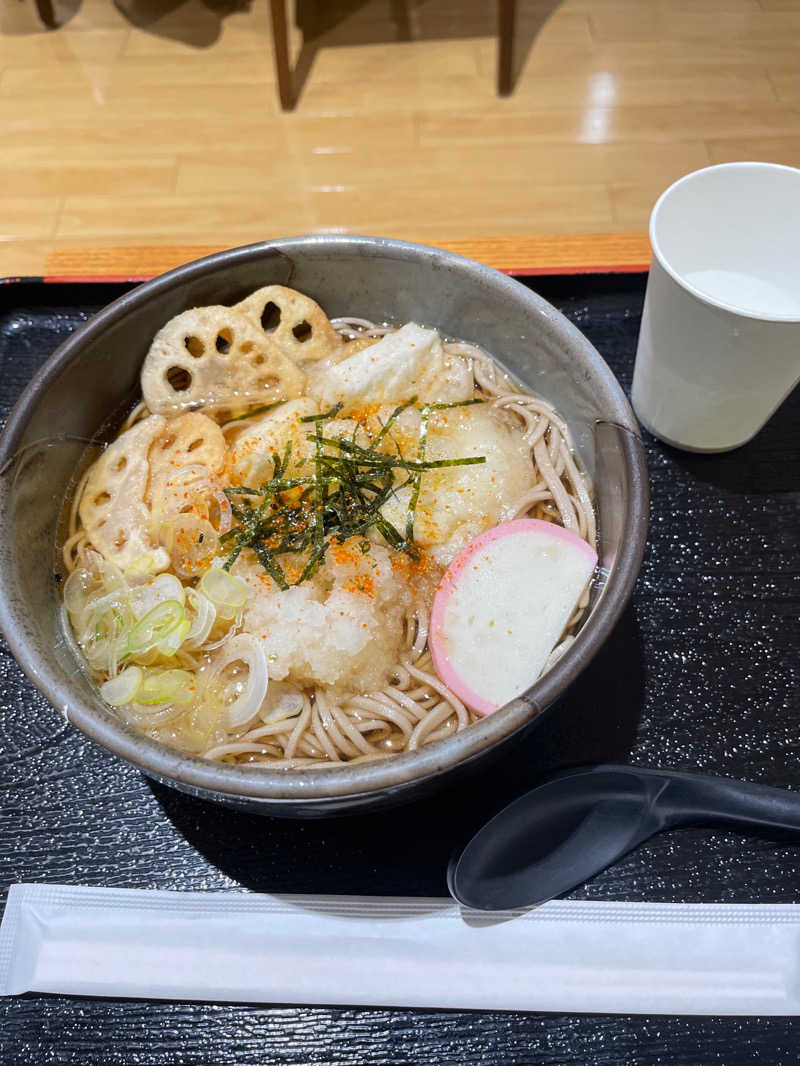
x=562 y=833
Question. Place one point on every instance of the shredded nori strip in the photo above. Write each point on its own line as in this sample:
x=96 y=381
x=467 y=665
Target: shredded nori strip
x=342 y=498
x=257 y=411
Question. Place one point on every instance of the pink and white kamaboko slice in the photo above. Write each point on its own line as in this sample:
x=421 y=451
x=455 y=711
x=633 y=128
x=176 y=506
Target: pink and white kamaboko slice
x=503 y=605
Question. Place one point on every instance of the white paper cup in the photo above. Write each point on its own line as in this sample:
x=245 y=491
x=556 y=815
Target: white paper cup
x=719 y=347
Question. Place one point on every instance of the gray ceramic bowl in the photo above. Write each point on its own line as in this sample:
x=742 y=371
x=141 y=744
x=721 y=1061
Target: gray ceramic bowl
x=96 y=371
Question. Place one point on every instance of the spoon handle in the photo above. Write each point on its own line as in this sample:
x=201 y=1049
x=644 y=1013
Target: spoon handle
x=700 y=797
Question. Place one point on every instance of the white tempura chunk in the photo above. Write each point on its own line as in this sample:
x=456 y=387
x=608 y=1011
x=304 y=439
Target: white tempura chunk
x=343 y=627
x=251 y=455
x=458 y=503
x=409 y=362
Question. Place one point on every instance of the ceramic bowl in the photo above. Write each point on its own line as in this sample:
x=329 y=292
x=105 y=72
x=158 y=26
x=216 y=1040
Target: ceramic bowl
x=95 y=372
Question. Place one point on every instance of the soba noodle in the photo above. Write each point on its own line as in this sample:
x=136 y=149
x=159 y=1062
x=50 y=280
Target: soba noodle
x=329 y=725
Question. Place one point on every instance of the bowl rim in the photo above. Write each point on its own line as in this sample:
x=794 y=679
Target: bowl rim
x=347 y=781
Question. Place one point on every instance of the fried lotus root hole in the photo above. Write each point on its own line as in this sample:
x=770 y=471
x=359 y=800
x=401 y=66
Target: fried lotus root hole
x=113 y=507
x=215 y=357
x=291 y=320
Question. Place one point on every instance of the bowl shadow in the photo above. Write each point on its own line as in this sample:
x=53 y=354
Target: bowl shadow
x=405 y=850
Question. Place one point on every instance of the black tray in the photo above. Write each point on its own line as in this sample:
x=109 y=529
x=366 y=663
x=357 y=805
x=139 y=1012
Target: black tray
x=701 y=673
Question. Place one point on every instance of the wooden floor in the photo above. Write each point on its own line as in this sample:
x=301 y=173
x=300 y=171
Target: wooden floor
x=156 y=121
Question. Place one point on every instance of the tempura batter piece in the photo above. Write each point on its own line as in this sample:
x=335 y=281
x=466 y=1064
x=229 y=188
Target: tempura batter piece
x=411 y=362
x=294 y=322
x=215 y=357
x=251 y=455
x=458 y=503
x=113 y=507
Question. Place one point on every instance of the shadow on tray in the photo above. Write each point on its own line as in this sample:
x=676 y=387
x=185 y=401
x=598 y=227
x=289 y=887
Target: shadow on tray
x=404 y=851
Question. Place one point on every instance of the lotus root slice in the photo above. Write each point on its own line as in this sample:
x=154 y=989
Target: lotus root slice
x=188 y=440
x=213 y=357
x=293 y=321
x=113 y=507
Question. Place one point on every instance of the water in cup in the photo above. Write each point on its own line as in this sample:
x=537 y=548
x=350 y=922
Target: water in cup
x=745 y=291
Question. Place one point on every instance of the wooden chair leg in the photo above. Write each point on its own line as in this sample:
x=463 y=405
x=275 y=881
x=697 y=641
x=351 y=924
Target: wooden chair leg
x=280 y=37
x=507 y=12
x=46 y=13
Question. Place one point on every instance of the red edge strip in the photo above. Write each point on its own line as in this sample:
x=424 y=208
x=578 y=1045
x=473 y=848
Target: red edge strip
x=516 y=272
x=95 y=279
x=606 y=268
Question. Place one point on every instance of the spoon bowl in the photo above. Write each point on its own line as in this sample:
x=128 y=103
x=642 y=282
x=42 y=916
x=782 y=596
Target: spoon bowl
x=567 y=830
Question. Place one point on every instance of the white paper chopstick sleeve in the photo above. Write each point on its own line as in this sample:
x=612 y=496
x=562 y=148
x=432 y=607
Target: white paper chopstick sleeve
x=564 y=956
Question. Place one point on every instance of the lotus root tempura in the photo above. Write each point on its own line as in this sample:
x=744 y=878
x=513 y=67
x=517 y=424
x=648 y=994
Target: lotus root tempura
x=253 y=559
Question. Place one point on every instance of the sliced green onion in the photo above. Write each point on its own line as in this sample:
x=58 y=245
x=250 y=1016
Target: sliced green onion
x=90 y=588
x=191 y=542
x=289 y=705
x=145 y=565
x=186 y=486
x=104 y=637
x=148 y=658
x=241 y=698
x=122 y=688
x=202 y=615
x=201 y=721
x=170 y=644
x=162 y=588
x=77 y=591
x=155 y=626
x=166 y=686
x=227 y=593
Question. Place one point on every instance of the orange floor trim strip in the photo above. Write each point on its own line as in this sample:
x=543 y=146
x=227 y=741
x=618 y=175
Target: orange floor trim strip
x=551 y=254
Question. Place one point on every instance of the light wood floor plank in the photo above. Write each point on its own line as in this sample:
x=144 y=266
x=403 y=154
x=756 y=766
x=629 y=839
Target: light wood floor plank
x=165 y=129
x=28 y=218
x=224 y=217
x=785 y=150
x=659 y=123
x=55 y=179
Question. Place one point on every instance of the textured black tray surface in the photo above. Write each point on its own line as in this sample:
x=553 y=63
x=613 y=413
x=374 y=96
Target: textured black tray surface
x=701 y=673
